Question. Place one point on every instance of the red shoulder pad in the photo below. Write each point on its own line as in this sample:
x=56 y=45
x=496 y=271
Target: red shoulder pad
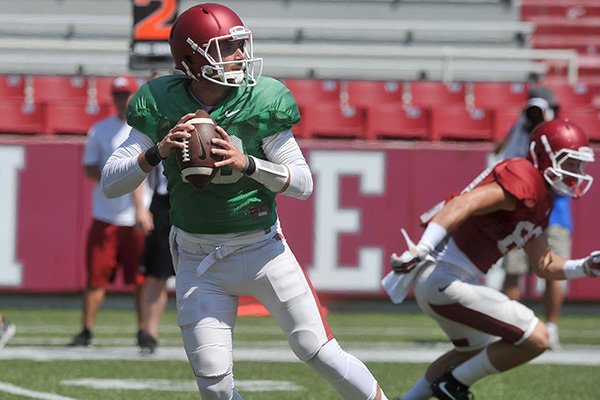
x=520 y=178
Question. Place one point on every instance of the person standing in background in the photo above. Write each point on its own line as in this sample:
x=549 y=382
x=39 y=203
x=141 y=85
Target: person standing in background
x=540 y=107
x=7 y=331
x=116 y=236
x=157 y=265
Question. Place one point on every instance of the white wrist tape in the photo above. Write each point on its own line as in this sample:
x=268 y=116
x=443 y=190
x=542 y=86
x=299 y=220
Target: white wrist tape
x=275 y=177
x=573 y=269
x=432 y=237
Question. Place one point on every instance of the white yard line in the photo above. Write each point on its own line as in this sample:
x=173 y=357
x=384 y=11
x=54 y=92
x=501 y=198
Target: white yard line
x=19 y=391
x=569 y=355
x=166 y=385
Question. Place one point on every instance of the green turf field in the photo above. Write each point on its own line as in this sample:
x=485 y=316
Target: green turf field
x=46 y=372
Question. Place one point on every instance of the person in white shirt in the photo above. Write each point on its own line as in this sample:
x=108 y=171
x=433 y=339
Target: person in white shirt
x=116 y=236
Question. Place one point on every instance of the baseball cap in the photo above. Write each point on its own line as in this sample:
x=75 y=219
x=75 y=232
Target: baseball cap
x=124 y=84
x=540 y=92
x=541 y=106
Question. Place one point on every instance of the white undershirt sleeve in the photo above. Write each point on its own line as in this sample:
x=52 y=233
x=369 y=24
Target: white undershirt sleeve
x=283 y=149
x=122 y=173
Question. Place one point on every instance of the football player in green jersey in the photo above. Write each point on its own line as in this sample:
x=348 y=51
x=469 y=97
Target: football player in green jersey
x=226 y=240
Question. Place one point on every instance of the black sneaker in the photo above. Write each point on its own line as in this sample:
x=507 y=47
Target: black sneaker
x=146 y=342
x=446 y=387
x=7 y=331
x=82 y=339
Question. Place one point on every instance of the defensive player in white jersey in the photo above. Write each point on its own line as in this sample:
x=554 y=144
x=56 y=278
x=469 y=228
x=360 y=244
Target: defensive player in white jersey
x=226 y=241
x=508 y=208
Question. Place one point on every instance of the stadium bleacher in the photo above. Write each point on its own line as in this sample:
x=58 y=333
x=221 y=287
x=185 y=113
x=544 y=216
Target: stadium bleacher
x=358 y=69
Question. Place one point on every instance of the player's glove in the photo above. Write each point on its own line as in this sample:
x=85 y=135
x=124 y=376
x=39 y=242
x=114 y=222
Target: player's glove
x=408 y=260
x=404 y=263
x=591 y=264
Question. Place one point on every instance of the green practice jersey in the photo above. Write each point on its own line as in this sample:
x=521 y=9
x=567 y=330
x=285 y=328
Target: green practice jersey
x=232 y=202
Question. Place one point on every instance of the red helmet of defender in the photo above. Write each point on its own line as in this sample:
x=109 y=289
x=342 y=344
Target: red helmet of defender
x=560 y=149
x=197 y=39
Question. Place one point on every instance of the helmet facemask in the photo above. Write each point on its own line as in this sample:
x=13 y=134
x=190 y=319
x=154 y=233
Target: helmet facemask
x=566 y=173
x=250 y=67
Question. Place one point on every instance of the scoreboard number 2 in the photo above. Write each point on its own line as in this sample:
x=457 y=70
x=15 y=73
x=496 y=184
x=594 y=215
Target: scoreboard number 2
x=153 y=19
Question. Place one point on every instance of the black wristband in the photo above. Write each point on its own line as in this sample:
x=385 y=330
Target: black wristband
x=251 y=166
x=152 y=156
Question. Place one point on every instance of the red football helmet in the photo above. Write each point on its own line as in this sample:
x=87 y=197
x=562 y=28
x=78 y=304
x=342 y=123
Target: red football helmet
x=559 y=149
x=197 y=39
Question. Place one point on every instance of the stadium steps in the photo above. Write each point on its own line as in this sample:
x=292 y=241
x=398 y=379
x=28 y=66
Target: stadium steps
x=70 y=36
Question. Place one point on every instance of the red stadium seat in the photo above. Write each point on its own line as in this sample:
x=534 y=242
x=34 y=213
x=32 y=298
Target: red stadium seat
x=459 y=123
x=13 y=86
x=313 y=91
x=330 y=120
x=372 y=93
x=396 y=121
x=589 y=120
x=431 y=94
x=498 y=95
x=103 y=86
x=48 y=89
x=563 y=26
x=73 y=118
x=567 y=94
x=503 y=120
x=21 y=117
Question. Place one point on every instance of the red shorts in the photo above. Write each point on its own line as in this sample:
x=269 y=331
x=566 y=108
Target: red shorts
x=109 y=247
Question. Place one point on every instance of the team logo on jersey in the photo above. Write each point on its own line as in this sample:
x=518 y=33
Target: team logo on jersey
x=229 y=114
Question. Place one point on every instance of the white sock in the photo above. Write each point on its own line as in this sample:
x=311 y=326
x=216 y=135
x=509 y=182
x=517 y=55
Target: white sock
x=383 y=395
x=420 y=391
x=474 y=369
x=346 y=373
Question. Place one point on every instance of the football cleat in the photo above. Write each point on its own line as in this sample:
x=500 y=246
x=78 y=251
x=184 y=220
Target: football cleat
x=553 y=337
x=446 y=387
x=146 y=342
x=7 y=331
x=82 y=339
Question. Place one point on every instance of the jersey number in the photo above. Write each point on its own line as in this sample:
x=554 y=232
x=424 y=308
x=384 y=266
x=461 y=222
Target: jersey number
x=524 y=231
x=228 y=175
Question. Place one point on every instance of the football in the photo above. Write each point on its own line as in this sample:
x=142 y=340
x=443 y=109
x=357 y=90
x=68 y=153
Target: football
x=195 y=161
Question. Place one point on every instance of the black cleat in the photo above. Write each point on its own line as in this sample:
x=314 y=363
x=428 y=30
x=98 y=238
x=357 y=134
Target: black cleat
x=146 y=342
x=446 y=387
x=82 y=339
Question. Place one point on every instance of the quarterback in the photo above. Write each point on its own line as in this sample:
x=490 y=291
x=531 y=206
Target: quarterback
x=226 y=239
x=507 y=207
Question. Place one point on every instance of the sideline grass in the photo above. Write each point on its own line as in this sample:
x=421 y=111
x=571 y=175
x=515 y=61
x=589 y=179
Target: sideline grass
x=54 y=327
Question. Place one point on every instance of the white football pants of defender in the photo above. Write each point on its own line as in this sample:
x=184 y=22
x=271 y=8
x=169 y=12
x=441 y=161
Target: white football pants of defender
x=258 y=264
x=469 y=313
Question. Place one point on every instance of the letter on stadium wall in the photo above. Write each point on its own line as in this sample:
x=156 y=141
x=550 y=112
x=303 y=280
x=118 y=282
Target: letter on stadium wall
x=331 y=220
x=13 y=160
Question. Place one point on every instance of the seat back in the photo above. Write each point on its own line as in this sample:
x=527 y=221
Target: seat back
x=497 y=95
x=17 y=116
x=332 y=120
x=459 y=123
x=433 y=94
x=371 y=93
x=313 y=91
x=397 y=121
x=73 y=118
x=54 y=88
